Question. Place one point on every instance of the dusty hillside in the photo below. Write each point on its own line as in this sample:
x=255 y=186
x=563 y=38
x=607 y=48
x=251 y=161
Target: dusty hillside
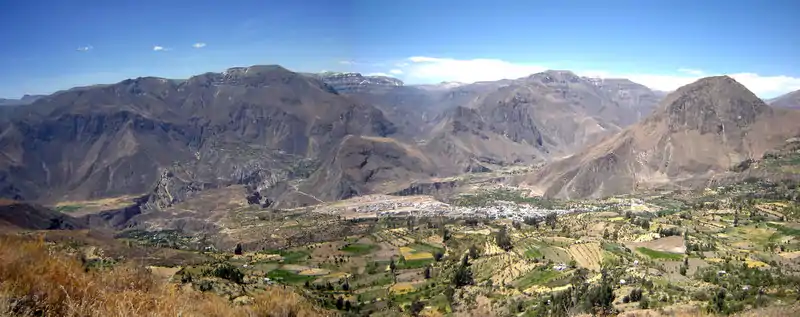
x=790 y=100
x=288 y=135
x=19 y=215
x=38 y=282
x=245 y=125
x=702 y=128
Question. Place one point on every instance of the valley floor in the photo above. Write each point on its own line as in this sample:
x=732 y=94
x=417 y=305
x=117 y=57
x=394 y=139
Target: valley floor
x=726 y=250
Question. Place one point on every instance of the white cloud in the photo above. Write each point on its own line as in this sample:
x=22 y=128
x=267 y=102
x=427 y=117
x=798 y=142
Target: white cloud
x=199 y=45
x=396 y=71
x=347 y=62
x=691 y=71
x=762 y=86
x=84 y=48
x=424 y=69
x=432 y=69
x=158 y=48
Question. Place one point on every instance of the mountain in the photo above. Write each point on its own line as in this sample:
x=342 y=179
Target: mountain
x=26 y=216
x=702 y=128
x=25 y=100
x=296 y=139
x=248 y=125
x=355 y=82
x=484 y=125
x=533 y=119
x=441 y=86
x=790 y=100
x=464 y=141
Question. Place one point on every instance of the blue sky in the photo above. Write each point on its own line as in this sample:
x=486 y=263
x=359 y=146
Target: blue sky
x=57 y=44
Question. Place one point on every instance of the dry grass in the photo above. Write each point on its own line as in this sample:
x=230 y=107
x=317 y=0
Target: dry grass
x=38 y=281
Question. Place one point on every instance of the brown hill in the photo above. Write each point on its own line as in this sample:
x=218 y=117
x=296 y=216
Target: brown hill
x=359 y=165
x=533 y=119
x=702 y=128
x=21 y=215
x=463 y=141
x=293 y=137
x=790 y=100
x=243 y=126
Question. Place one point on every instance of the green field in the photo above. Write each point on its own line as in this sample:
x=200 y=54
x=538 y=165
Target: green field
x=784 y=230
x=413 y=264
x=538 y=276
x=533 y=253
x=659 y=255
x=359 y=248
x=288 y=277
x=68 y=208
x=291 y=257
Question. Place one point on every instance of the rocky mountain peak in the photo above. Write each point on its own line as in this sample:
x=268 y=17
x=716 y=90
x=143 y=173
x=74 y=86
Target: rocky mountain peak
x=356 y=82
x=556 y=76
x=711 y=104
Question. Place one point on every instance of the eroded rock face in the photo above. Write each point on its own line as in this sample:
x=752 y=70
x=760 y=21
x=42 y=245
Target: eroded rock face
x=355 y=82
x=701 y=129
x=169 y=139
x=296 y=139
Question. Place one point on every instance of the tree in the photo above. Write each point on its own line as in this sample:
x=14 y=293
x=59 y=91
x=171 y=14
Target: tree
x=427 y=272
x=573 y=264
x=346 y=286
x=339 y=303
x=473 y=252
x=238 y=249
x=683 y=270
x=532 y=221
x=348 y=305
x=503 y=240
x=392 y=265
x=717 y=304
x=445 y=234
x=551 y=220
x=601 y=299
x=416 y=308
x=438 y=256
x=644 y=303
x=463 y=275
x=635 y=295
x=605 y=233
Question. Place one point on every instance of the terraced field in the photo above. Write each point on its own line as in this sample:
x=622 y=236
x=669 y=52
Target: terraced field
x=588 y=255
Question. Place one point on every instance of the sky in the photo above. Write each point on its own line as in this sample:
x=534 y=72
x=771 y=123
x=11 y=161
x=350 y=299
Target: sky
x=50 y=45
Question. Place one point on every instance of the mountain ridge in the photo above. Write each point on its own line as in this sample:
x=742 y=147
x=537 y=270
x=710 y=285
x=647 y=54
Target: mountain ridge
x=704 y=127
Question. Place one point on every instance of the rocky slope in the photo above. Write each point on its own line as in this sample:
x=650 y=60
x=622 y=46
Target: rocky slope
x=243 y=126
x=790 y=100
x=702 y=128
x=25 y=100
x=19 y=215
x=296 y=138
x=355 y=82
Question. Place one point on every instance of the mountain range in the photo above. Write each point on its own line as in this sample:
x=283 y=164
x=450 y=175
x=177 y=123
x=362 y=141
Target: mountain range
x=299 y=139
x=701 y=129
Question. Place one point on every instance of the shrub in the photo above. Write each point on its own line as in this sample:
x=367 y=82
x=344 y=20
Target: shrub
x=228 y=272
x=44 y=283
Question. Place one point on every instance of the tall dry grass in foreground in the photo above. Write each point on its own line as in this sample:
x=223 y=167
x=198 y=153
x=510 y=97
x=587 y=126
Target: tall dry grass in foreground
x=37 y=281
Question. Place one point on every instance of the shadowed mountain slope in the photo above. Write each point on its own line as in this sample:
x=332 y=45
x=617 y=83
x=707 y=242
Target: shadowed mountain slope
x=245 y=125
